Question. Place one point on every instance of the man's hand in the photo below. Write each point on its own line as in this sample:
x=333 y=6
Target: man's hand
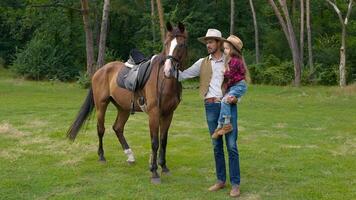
x=232 y=100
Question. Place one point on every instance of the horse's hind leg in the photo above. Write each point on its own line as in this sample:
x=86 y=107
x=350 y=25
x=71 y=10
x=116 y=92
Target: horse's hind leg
x=101 y=110
x=164 y=126
x=118 y=127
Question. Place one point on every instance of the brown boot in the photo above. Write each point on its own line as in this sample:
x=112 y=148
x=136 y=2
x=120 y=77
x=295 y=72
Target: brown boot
x=217 y=186
x=227 y=128
x=215 y=135
x=235 y=191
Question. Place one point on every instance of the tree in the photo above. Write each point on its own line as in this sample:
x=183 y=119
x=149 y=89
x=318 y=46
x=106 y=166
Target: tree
x=161 y=19
x=88 y=38
x=256 y=31
x=310 y=51
x=342 y=67
x=103 y=33
x=287 y=27
x=232 y=16
x=302 y=32
x=153 y=20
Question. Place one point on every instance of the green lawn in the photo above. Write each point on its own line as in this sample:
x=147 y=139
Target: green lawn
x=294 y=143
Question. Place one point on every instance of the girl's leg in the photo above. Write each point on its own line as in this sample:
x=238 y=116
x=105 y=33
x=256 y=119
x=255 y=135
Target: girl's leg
x=238 y=90
x=225 y=112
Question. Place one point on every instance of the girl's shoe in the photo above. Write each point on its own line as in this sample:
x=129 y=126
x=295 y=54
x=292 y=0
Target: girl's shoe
x=215 y=135
x=227 y=128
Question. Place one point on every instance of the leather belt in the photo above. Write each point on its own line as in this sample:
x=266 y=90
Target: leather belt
x=212 y=100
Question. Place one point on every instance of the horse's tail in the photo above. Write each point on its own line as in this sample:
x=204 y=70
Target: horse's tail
x=82 y=115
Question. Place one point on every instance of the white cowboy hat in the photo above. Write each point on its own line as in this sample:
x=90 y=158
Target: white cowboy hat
x=234 y=41
x=211 y=34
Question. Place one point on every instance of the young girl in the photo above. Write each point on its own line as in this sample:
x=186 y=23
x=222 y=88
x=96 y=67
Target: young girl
x=235 y=71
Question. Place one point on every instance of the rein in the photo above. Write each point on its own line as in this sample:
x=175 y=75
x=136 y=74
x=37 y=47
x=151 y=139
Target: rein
x=176 y=63
x=159 y=87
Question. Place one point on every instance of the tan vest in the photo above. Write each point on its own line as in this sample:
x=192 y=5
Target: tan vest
x=206 y=73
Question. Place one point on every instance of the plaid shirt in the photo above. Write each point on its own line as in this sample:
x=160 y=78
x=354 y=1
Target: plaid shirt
x=236 y=71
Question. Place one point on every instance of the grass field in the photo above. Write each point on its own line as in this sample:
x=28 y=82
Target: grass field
x=294 y=143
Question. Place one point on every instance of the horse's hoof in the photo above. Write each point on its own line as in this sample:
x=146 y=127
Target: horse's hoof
x=156 y=181
x=131 y=162
x=102 y=161
x=165 y=172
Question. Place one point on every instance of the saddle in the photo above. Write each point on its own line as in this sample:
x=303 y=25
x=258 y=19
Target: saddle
x=136 y=72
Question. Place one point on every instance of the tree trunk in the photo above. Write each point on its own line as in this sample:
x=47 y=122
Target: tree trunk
x=294 y=44
x=342 y=66
x=161 y=20
x=293 y=9
x=310 y=51
x=232 y=16
x=302 y=16
x=290 y=35
x=281 y=20
x=103 y=33
x=256 y=32
x=153 y=21
x=88 y=38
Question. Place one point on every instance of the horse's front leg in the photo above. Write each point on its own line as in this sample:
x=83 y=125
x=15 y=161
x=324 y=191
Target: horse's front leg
x=164 y=126
x=154 y=128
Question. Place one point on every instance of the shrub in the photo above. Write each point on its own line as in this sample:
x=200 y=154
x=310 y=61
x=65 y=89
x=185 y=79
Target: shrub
x=327 y=74
x=43 y=59
x=2 y=62
x=272 y=71
x=84 y=80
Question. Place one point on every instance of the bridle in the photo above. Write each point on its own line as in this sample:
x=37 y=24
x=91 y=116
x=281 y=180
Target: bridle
x=176 y=64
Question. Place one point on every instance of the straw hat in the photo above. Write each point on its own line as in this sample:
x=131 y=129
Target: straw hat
x=211 y=34
x=234 y=41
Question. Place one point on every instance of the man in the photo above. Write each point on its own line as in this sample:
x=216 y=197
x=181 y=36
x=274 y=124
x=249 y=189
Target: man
x=211 y=72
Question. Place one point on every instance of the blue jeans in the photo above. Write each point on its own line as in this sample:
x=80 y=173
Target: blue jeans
x=212 y=111
x=236 y=90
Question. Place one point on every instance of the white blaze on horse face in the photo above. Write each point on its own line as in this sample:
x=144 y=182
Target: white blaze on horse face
x=168 y=62
x=173 y=46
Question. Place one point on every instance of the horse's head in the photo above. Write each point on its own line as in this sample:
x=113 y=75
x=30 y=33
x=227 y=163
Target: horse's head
x=176 y=49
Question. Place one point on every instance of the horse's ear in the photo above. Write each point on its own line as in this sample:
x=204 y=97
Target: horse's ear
x=181 y=27
x=169 y=27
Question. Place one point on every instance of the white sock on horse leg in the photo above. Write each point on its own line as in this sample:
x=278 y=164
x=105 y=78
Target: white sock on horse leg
x=130 y=155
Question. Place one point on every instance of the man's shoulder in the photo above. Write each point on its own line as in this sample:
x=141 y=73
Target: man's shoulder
x=199 y=61
x=206 y=58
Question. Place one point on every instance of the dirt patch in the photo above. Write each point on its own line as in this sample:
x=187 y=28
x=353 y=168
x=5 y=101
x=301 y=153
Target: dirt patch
x=70 y=162
x=5 y=154
x=250 y=196
x=280 y=125
x=6 y=129
x=14 y=153
x=347 y=148
x=36 y=123
x=35 y=140
x=291 y=146
x=318 y=129
x=299 y=146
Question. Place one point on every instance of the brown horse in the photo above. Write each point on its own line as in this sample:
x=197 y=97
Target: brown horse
x=161 y=94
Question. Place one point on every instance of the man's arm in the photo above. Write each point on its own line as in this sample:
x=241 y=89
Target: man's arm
x=192 y=71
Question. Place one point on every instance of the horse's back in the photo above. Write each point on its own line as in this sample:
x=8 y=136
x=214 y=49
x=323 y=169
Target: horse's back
x=107 y=71
x=104 y=85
